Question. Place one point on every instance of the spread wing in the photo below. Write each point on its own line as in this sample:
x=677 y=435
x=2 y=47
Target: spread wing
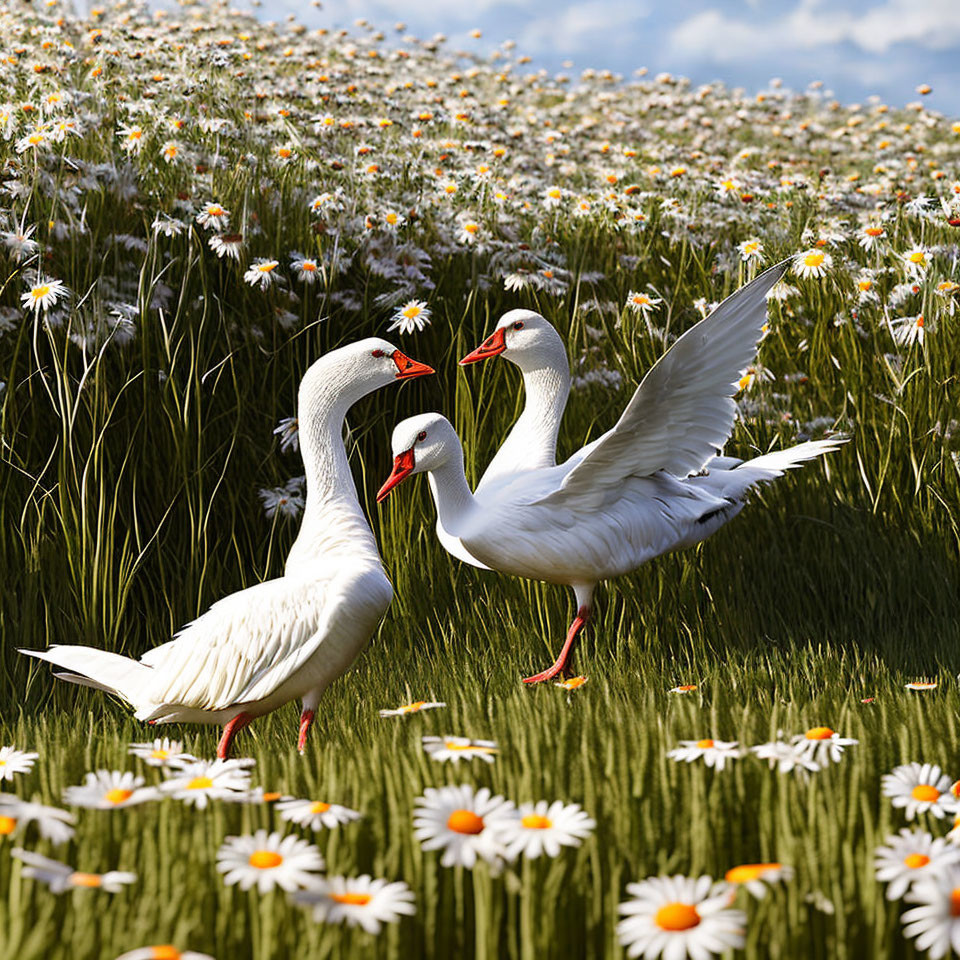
x=249 y=643
x=683 y=411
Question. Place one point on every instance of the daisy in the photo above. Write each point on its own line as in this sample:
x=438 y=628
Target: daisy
x=916 y=260
x=413 y=315
x=255 y=796
x=269 y=860
x=260 y=273
x=462 y=823
x=642 y=302
x=920 y=788
x=755 y=876
x=908 y=331
x=306 y=269
x=871 y=235
x=683 y=688
x=415 y=707
x=55 y=824
x=226 y=245
x=288 y=430
x=316 y=814
x=676 y=917
x=161 y=753
x=282 y=500
x=60 y=877
x=131 y=139
x=935 y=923
x=909 y=857
x=812 y=263
x=786 y=757
x=14 y=761
x=469 y=229
x=203 y=781
x=541 y=828
x=43 y=295
x=715 y=753
x=108 y=790
x=20 y=244
x=214 y=216
x=823 y=744
x=750 y=250
x=571 y=683
x=459 y=748
x=921 y=685
x=358 y=901
x=164 y=951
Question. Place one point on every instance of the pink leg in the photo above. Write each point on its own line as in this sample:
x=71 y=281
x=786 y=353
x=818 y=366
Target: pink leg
x=237 y=723
x=560 y=665
x=306 y=719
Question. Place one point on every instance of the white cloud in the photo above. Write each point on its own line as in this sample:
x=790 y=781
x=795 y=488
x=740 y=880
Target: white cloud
x=595 y=26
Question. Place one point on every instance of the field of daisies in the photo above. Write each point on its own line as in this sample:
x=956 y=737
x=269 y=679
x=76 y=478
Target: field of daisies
x=759 y=758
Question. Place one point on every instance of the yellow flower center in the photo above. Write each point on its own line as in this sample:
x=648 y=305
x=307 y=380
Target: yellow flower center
x=85 y=880
x=266 y=267
x=535 y=822
x=640 y=299
x=864 y=285
x=813 y=259
x=117 y=795
x=159 y=754
x=819 y=733
x=704 y=744
x=165 y=952
x=200 y=783
x=136 y=134
x=918 y=256
x=265 y=859
x=38 y=293
x=916 y=860
x=464 y=821
x=284 y=153
x=676 y=916
x=7 y=826
x=413 y=707
x=467 y=746
x=925 y=793
x=411 y=312
x=319 y=807
x=874 y=231
x=391 y=218
x=471 y=227
x=353 y=899
x=747 y=872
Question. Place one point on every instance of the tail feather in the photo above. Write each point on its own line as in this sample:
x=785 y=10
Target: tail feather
x=92 y=667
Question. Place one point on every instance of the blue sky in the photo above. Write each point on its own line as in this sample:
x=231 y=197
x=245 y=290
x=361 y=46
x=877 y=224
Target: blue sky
x=856 y=47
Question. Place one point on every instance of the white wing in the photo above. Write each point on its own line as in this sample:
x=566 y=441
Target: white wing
x=249 y=643
x=683 y=411
x=455 y=547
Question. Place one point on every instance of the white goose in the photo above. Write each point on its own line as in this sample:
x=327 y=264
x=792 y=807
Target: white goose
x=636 y=492
x=287 y=638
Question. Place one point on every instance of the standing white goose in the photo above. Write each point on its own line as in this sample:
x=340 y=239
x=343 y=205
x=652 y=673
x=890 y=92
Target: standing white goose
x=636 y=492
x=287 y=638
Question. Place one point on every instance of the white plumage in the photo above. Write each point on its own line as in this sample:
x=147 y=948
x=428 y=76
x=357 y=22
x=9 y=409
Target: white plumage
x=652 y=484
x=287 y=638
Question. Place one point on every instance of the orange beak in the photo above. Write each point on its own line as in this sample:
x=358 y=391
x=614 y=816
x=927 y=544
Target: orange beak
x=402 y=468
x=495 y=344
x=407 y=369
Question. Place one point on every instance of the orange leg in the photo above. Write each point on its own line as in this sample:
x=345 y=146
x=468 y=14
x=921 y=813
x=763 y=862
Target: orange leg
x=237 y=723
x=306 y=719
x=560 y=664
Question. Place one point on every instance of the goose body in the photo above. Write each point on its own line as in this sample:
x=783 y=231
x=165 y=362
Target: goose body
x=287 y=638
x=650 y=485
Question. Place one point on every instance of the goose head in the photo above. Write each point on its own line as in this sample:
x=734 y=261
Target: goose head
x=420 y=444
x=523 y=337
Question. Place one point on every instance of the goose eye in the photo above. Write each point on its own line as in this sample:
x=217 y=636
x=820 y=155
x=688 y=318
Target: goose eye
x=422 y=435
x=518 y=325
x=378 y=353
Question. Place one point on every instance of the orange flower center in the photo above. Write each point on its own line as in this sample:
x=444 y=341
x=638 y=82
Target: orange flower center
x=265 y=859
x=117 y=795
x=819 y=733
x=464 y=821
x=955 y=902
x=704 y=744
x=749 y=871
x=535 y=822
x=413 y=707
x=925 y=793
x=7 y=826
x=165 y=952
x=874 y=231
x=319 y=807
x=676 y=916
x=353 y=899
x=200 y=783
x=916 y=860
x=85 y=880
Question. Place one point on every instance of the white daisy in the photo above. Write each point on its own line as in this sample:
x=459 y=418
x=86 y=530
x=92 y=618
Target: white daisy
x=786 y=757
x=268 y=861
x=642 y=303
x=751 y=249
x=215 y=216
x=306 y=269
x=909 y=857
x=54 y=823
x=415 y=707
x=14 y=761
x=812 y=263
x=413 y=315
x=935 y=922
x=199 y=783
x=43 y=295
x=920 y=788
x=462 y=823
x=455 y=749
x=261 y=274
x=916 y=261
x=164 y=951
x=358 y=901
x=60 y=877
x=715 y=753
x=316 y=814
x=161 y=753
x=676 y=917
x=288 y=430
x=756 y=876
x=226 y=245
x=908 y=330
x=541 y=828
x=109 y=790
x=287 y=501
x=871 y=235
x=823 y=744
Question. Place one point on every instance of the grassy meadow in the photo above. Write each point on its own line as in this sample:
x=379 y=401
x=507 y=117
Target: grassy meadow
x=137 y=433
